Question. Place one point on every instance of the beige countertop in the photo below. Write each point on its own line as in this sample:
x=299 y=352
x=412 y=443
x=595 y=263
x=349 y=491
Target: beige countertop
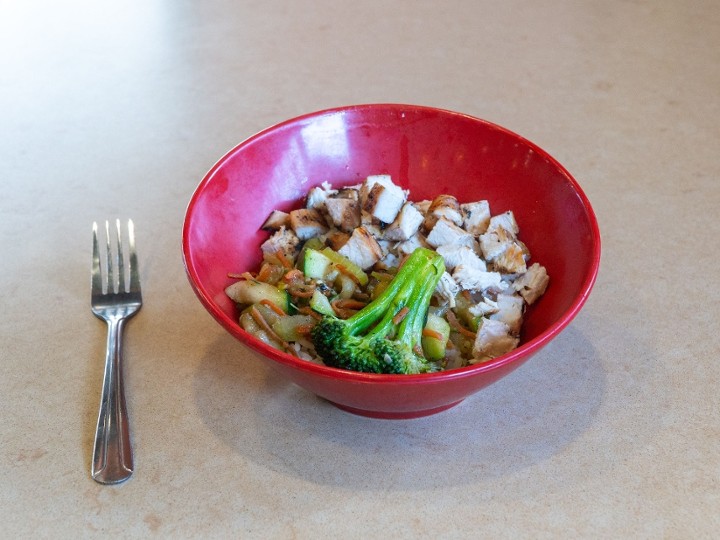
x=118 y=110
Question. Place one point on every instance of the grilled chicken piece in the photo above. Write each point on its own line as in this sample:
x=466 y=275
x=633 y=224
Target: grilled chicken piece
x=494 y=243
x=447 y=289
x=505 y=221
x=512 y=260
x=510 y=311
x=348 y=193
x=411 y=244
x=307 y=223
x=336 y=239
x=443 y=207
x=317 y=196
x=455 y=255
x=390 y=260
x=275 y=220
x=381 y=198
x=476 y=217
x=362 y=249
x=485 y=307
x=493 y=339
x=423 y=206
x=444 y=232
x=344 y=213
x=283 y=239
x=473 y=279
x=406 y=223
x=532 y=284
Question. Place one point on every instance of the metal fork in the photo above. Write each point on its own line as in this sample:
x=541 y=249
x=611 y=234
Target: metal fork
x=115 y=303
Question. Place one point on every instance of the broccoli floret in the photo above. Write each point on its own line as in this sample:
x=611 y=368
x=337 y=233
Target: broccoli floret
x=374 y=340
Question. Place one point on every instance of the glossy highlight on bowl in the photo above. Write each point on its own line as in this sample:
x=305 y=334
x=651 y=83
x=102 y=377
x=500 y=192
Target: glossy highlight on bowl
x=429 y=151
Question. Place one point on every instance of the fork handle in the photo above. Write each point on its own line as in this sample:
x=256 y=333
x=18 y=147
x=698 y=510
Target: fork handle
x=112 y=454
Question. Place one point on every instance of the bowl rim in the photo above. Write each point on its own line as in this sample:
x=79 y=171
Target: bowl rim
x=522 y=352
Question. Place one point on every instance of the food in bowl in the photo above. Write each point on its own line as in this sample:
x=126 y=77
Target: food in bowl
x=362 y=278
x=426 y=150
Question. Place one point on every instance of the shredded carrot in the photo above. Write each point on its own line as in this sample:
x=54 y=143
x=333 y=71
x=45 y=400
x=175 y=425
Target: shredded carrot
x=427 y=332
x=452 y=319
x=283 y=259
x=305 y=328
x=258 y=318
x=264 y=273
x=272 y=305
x=301 y=290
x=400 y=315
x=294 y=275
x=340 y=311
x=349 y=303
x=343 y=270
x=244 y=275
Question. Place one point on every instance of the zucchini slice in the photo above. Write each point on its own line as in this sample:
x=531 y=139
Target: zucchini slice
x=320 y=303
x=433 y=347
x=250 y=291
x=350 y=266
x=315 y=264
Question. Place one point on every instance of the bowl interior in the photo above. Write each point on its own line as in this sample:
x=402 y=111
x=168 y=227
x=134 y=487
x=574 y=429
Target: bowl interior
x=426 y=150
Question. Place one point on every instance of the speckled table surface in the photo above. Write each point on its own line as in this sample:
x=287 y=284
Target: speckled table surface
x=118 y=110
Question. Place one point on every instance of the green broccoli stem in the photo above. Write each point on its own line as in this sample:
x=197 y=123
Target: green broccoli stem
x=410 y=330
x=379 y=308
x=405 y=297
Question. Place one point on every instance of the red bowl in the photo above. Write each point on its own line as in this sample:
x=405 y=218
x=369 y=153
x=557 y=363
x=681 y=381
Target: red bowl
x=428 y=151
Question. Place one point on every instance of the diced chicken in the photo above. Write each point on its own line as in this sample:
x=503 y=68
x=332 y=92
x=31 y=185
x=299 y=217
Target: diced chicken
x=447 y=289
x=494 y=243
x=447 y=233
x=318 y=195
x=411 y=244
x=390 y=260
x=476 y=217
x=505 y=221
x=366 y=218
x=512 y=260
x=423 y=206
x=374 y=227
x=283 y=239
x=275 y=220
x=485 y=307
x=381 y=198
x=336 y=239
x=493 y=339
x=406 y=223
x=455 y=255
x=307 y=223
x=473 y=279
x=344 y=213
x=362 y=249
x=533 y=283
x=443 y=207
x=510 y=311
x=348 y=193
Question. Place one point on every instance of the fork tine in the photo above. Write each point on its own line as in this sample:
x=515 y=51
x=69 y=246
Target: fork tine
x=134 y=273
x=120 y=259
x=110 y=279
x=95 y=271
